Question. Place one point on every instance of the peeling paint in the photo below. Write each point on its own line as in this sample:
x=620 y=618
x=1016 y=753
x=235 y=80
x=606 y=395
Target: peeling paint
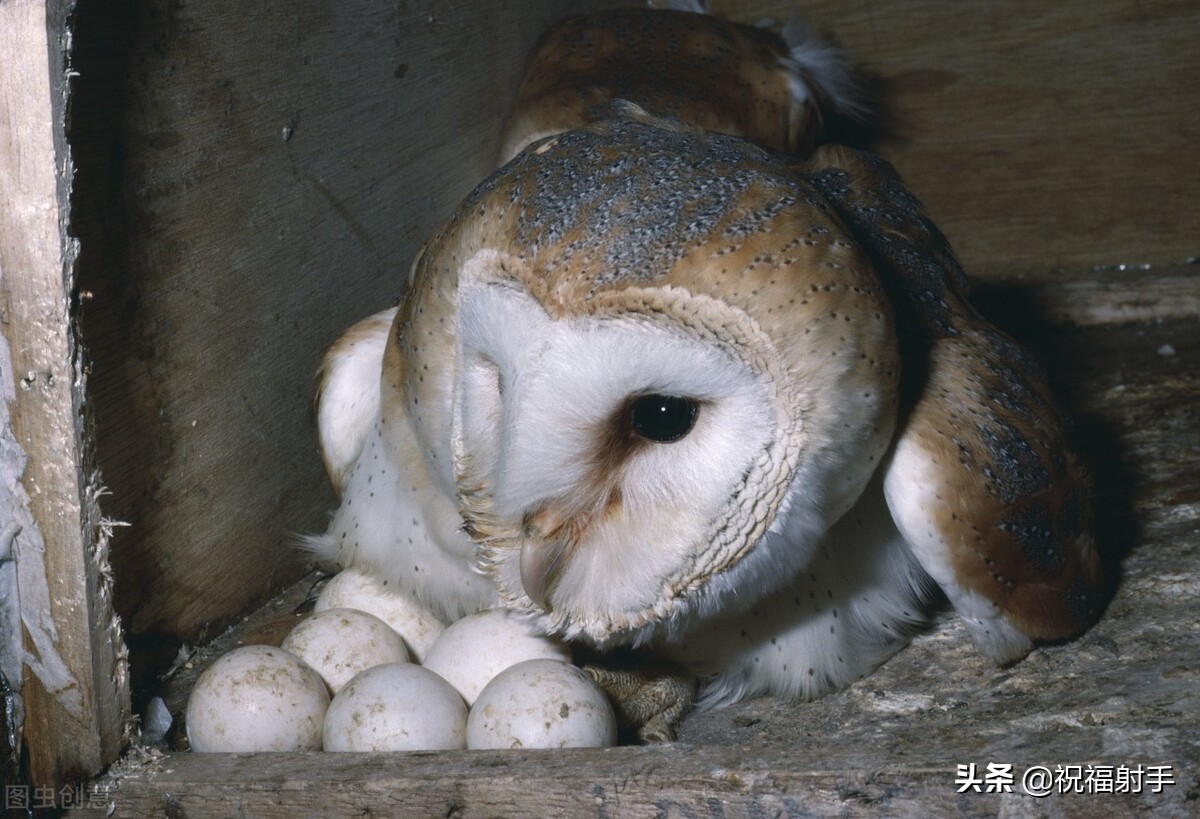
x=24 y=588
x=12 y=464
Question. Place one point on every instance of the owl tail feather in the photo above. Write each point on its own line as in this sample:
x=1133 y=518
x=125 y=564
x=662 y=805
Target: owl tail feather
x=820 y=71
x=821 y=74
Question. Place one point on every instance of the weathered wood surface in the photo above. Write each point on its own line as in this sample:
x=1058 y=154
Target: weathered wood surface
x=251 y=182
x=1125 y=694
x=1042 y=136
x=1114 y=296
x=55 y=579
x=800 y=779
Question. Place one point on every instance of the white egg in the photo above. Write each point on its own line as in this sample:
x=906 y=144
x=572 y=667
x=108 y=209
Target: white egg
x=396 y=707
x=339 y=643
x=541 y=704
x=355 y=589
x=478 y=647
x=257 y=698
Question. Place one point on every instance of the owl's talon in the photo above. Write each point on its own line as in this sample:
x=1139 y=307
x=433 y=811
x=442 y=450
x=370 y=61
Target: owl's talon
x=650 y=700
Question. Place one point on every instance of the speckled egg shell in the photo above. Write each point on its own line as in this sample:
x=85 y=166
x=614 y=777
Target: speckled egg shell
x=541 y=704
x=257 y=698
x=354 y=589
x=339 y=643
x=478 y=647
x=396 y=707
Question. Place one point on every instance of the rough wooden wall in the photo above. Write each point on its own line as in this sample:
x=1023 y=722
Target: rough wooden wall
x=1044 y=137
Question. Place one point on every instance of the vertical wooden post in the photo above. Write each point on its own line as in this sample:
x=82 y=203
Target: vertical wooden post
x=75 y=683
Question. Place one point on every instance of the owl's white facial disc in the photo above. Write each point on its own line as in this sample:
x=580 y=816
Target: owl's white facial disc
x=580 y=513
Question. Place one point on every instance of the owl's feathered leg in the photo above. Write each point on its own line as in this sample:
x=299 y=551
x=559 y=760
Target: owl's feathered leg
x=982 y=483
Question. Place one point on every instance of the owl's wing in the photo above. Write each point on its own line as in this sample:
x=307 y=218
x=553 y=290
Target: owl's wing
x=982 y=483
x=773 y=88
x=348 y=393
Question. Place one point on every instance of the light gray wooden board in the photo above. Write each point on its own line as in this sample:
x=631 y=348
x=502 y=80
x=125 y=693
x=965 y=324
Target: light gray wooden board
x=1126 y=693
x=1106 y=297
x=713 y=782
x=1042 y=136
x=252 y=181
x=75 y=688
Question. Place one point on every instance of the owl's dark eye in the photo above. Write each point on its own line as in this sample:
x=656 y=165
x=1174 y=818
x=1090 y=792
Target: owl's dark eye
x=663 y=418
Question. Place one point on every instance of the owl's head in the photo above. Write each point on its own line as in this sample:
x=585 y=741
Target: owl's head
x=671 y=372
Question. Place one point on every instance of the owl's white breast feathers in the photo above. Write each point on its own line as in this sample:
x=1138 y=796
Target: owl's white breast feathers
x=857 y=599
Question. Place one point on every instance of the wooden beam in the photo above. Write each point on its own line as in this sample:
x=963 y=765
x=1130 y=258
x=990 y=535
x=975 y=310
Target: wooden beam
x=75 y=686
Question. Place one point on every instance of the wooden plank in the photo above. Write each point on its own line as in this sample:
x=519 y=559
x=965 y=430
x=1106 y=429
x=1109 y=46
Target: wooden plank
x=1127 y=693
x=75 y=685
x=1109 y=297
x=1042 y=136
x=714 y=782
x=252 y=182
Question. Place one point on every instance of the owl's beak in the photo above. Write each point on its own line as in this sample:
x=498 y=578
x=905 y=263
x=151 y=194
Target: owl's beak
x=536 y=563
x=544 y=552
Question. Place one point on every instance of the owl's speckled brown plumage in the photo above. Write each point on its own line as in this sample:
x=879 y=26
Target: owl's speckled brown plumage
x=1008 y=516
x=858 y=431
x=720 y=76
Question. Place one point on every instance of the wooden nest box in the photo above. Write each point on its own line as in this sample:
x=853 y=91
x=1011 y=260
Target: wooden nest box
x=196 y=198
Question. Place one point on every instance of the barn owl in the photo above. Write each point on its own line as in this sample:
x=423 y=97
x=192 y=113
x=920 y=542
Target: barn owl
x=665 y=388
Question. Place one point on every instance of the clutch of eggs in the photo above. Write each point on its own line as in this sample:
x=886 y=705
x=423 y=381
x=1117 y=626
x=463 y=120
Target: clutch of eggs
x=487 y=681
